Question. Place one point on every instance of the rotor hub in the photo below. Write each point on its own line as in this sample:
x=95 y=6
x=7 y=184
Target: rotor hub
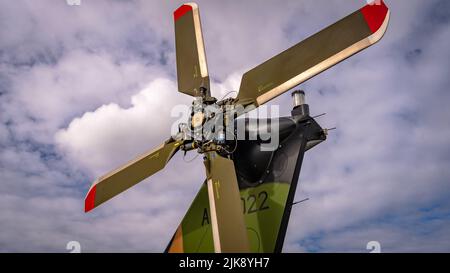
x=206 y=128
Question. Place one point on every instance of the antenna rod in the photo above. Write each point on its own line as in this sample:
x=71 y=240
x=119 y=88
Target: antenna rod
x=301 y=201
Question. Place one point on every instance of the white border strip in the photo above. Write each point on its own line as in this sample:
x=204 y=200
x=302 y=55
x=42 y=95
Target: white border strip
x=199 y=39
x=214 y=224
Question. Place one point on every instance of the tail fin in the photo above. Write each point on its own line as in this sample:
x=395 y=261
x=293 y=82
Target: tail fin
x=266 y=200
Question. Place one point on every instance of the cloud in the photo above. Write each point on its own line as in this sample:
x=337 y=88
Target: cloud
x=111 y=133
x=83 y=91
x=394 y=234
x=45 y=97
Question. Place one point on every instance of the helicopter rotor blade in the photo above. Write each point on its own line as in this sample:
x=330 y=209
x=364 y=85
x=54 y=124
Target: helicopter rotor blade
x=119 y=180
x=227 y=218
x=192 y=69
x=315 y=54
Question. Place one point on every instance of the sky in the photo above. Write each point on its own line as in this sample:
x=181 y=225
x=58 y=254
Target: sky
x=86 y=88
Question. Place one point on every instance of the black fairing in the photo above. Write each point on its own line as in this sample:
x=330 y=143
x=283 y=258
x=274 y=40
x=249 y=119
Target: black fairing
x=251 y=161
x=254 y=165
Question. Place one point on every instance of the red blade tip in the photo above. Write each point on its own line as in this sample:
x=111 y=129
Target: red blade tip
x=89 y=202
x=181 y=11
x=375 y=14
